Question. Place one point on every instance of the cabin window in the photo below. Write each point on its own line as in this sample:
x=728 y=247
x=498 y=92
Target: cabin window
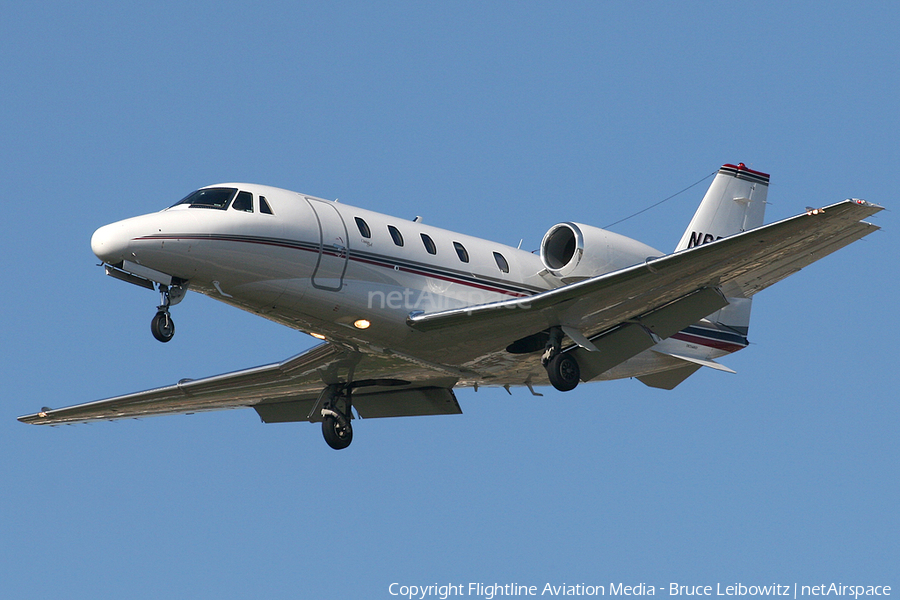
x=396 y=235
x=244 y=202
x=363 y=228
x=501 y=262
x=209 y=198
x=461 y=252
x=429 y=244
x=264 y=206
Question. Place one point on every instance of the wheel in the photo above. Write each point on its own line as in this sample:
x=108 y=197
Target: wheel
x=162 y=326
x=563 y=372
x=336 y=435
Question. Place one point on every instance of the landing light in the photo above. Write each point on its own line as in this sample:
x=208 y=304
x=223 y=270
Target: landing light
x=318 y=336
x=361 y=324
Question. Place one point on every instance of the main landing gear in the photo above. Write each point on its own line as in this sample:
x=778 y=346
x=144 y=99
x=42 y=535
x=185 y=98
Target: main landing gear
x=334 y=405
x=335 y=401
x=562 y=368
x=162 y=326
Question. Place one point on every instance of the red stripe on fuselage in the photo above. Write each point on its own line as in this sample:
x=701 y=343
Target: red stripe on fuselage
x=384 y=264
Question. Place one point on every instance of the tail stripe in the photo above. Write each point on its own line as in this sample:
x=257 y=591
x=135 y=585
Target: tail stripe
x=742 y=172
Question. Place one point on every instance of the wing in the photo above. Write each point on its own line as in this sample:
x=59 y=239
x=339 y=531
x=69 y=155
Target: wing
x=285 y=391
x=612 y=311
x=663 y=295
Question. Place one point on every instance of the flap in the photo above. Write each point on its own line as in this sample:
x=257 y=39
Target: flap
x=399 y=403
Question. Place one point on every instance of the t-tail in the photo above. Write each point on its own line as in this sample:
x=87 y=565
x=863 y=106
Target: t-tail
x=735 y=202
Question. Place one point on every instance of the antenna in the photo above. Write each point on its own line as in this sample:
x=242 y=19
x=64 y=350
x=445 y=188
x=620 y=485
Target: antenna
x=661 y=201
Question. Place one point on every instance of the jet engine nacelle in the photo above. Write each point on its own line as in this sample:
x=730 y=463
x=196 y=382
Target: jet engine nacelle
x=572 y=251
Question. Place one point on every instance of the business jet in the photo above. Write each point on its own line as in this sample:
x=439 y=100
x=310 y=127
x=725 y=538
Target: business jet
x=408 y=312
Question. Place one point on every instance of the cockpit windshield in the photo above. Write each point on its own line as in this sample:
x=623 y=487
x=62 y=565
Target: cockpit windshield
x=209 y=198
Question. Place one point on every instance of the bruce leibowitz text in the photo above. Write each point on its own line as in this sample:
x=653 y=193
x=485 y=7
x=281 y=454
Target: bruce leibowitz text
x=490 y=591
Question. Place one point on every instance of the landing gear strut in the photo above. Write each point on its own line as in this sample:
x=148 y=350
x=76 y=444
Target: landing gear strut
x=562 y=369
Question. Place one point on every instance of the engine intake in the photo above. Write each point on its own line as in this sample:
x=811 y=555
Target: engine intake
x=573 y=251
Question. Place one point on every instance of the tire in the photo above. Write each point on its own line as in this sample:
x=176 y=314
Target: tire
x=336 y=436
x=162 y=327
x=563 y=372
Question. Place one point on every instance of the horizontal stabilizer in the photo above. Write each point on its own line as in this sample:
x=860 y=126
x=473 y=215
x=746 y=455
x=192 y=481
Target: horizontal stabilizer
x=668 y=380
x=702 y=362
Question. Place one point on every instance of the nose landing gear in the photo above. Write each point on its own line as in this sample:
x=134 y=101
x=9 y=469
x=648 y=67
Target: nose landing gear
x=162 y=326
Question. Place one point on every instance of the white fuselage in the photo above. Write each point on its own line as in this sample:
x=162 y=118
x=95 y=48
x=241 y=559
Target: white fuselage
x=333 y=270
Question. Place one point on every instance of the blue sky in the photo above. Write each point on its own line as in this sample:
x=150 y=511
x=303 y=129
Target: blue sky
x=497 y=120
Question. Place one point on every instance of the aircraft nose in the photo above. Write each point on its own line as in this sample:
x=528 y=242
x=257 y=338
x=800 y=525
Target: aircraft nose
x=110 y=242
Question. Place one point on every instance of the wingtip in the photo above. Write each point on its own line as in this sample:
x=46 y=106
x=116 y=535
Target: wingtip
x=866 y=203
x=35 y=418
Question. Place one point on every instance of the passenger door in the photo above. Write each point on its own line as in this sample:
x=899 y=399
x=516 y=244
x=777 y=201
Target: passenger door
x=334 y=251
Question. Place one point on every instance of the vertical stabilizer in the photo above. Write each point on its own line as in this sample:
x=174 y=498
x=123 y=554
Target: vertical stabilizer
x=734 y=202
